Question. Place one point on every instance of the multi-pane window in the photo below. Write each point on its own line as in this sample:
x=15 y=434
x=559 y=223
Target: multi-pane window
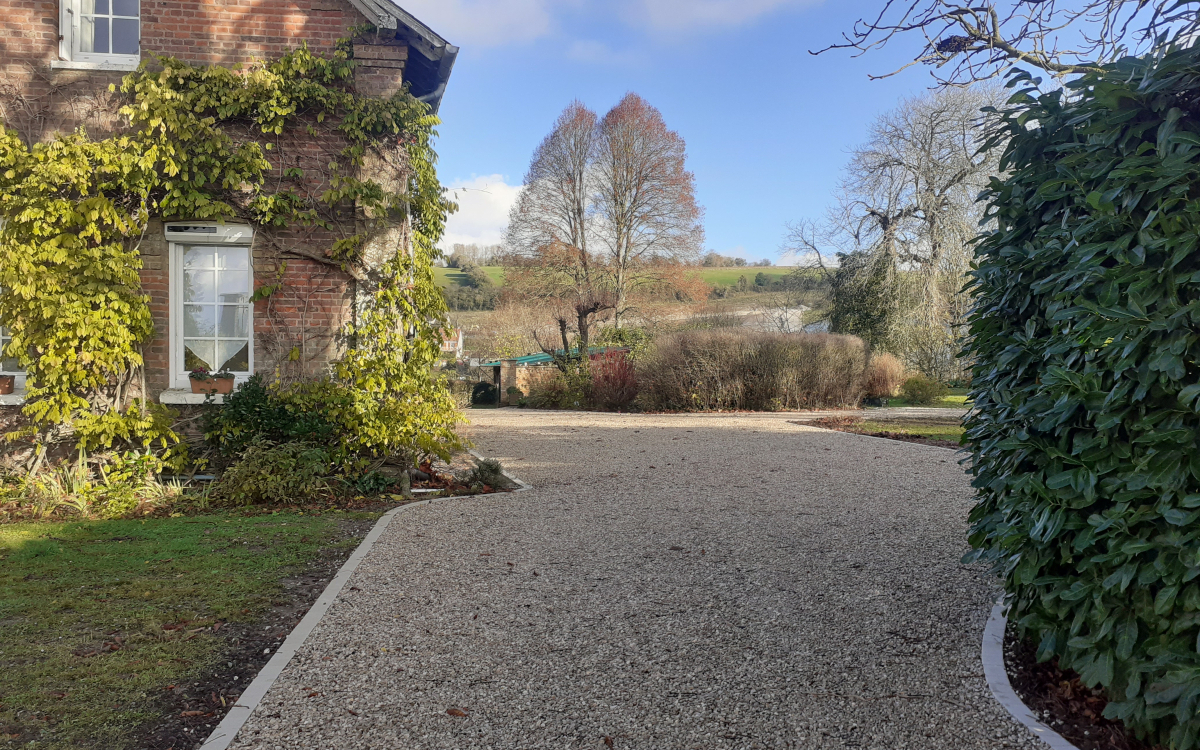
x=108 y=27
x=8 y=365
x=101 y=33
x=215 y=308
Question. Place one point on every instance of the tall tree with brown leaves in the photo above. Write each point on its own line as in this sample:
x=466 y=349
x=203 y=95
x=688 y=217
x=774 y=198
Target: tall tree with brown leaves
x=549 y=230
x=645 y=198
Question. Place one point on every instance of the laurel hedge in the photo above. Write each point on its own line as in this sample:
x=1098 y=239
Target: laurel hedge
x=1084 y=437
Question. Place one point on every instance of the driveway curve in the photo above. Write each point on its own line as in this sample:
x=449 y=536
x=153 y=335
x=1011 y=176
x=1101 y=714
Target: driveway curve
x=674 y=581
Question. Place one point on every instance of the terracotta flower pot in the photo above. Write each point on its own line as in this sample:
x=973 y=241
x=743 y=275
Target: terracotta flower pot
x=212 y=385
x=7 y=384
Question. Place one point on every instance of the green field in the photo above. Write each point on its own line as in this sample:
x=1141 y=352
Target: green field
x=447 y=277
x=715 y=276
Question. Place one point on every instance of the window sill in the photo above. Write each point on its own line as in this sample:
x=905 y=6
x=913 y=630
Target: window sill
x=16 y=398
x=187 y=398
x=106 y=65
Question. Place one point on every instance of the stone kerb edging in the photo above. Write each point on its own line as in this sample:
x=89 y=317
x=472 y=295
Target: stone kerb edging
x=222 y=737
x=1002 y=691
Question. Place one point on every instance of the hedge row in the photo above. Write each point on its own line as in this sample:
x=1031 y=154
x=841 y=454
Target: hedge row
x=1087 y=338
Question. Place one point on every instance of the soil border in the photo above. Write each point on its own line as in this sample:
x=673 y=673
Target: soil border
x=225 y=733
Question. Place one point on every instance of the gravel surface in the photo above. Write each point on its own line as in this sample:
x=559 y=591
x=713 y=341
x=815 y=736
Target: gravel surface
x=681 y=581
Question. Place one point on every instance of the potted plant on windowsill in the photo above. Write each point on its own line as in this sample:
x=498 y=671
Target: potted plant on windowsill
x=8 y=383
x=203 y=381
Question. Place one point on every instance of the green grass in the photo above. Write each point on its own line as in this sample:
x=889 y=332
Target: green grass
x=951 y=432
x=957 y=399
x=68 y=589
x=447 y=277
x=729 y=276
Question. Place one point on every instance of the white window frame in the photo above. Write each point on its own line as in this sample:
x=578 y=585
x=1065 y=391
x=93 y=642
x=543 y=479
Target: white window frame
x=69 y=13
x=228 y=235
x=20 y=374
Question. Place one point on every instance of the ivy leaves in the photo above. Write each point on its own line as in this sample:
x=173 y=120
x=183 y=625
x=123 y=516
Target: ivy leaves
x=74 y=209
x=1086 y=335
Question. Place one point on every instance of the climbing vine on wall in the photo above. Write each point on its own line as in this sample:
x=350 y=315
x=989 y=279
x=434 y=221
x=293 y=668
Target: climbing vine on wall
x=198 y=145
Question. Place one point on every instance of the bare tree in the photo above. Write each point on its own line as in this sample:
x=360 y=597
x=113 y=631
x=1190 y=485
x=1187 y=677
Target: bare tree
x=907 y=205
x=645 y=198
x=971 y=41
x=549 y=229
x=553 y=207
x=572 y=289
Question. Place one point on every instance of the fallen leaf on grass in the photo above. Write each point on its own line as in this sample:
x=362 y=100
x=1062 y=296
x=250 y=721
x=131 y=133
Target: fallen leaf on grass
x=456 y=712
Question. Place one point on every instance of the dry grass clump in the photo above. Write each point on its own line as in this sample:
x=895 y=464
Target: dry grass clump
x=726 y=370
x=885 y=375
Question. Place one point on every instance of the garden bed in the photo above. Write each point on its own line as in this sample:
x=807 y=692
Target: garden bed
x=1061 y=702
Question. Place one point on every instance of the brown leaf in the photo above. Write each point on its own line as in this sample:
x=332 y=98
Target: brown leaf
x=192 y=713
x=456 y=712
x=608 y=741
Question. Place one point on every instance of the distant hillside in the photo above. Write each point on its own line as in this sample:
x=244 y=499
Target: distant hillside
x=447 y=277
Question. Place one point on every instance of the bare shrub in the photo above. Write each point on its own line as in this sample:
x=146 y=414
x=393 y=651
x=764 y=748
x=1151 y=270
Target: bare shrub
x=614 y=381
x=885 y=375
x=717 y=370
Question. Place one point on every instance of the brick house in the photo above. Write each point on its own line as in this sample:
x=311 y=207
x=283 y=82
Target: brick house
x=57 y=60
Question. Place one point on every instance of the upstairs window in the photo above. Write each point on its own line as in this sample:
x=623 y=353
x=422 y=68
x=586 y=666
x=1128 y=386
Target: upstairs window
x=101 y=33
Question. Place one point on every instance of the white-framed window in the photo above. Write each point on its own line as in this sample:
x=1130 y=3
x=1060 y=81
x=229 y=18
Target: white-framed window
x=212 y=317
x=10 y=365
x=100 y=33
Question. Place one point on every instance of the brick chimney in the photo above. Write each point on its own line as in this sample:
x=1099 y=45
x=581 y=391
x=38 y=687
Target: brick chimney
x=380 y=69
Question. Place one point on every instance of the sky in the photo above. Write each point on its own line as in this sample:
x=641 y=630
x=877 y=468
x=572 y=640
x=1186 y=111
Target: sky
x=768 y=126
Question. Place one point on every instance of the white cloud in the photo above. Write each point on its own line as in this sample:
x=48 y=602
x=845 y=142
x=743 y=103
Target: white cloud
x=484 y=23
x=483 y=205
x=493 y=23
x=689 y=15
x=591 y=51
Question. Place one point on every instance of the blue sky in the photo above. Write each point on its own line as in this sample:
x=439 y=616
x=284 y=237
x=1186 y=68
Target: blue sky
x=767 y=124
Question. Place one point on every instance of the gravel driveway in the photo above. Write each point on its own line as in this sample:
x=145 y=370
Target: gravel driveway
x=682 y=581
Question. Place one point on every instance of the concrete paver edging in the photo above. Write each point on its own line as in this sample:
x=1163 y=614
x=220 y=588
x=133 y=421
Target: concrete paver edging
x=222 y=737
x=997 y=680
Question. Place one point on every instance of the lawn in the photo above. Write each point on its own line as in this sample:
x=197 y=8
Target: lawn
x=101 y=621
x=933 y=431
x=957 y=399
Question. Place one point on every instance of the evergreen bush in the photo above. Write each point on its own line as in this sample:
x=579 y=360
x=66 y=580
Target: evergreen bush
x=1086 y=336
x=923 y=391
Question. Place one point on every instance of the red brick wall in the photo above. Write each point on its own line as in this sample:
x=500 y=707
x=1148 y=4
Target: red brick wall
x=39 y=101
